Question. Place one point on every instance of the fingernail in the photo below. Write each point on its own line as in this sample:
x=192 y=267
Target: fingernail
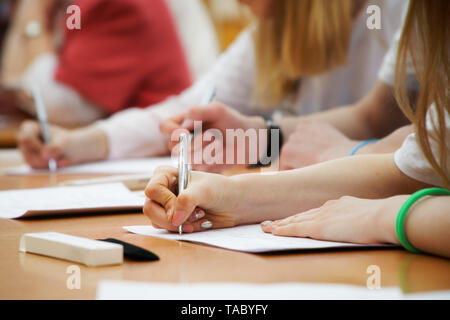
x=169 y=212
x=199 y=214
x=266 y=223
x=206 y=224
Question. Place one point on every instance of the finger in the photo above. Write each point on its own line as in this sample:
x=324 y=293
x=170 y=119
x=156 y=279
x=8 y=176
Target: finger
x=295 y=229
x=156 y=226
x=29 y=136
x=197 y=215
x=34 y=159
x=284 y=160
x=201 y=225
x=63 y=162
x=300 y=217
x=267 y=226
x=211 y=222
x=284 y=165
x=157 y=215
x=170 y=125
x=184 y=207
x=52 y=151
x=161 y=186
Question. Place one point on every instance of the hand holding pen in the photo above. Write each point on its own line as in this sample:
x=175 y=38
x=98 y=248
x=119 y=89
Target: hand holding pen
x=183 y=165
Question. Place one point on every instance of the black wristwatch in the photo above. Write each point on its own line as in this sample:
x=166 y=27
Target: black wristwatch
x=267 y=159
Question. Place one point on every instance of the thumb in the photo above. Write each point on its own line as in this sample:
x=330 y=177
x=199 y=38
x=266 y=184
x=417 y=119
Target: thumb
x=169 y=125
x=184 y=207
x=53 y=150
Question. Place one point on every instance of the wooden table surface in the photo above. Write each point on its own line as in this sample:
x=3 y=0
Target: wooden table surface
x=30 y=276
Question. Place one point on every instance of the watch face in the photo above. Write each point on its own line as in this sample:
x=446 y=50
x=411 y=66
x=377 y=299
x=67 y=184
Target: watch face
x=33 y=29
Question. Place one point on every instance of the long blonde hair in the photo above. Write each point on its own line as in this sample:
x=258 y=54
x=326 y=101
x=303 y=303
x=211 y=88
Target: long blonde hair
x=302 y=38
x=426 y=41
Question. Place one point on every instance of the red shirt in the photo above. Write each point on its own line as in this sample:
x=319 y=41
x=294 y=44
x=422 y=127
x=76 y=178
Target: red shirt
x=126 y=54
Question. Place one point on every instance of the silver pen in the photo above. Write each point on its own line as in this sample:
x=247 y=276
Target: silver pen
x=42 y=118
x=210 y=95
x=183 y=165
x=183 y=168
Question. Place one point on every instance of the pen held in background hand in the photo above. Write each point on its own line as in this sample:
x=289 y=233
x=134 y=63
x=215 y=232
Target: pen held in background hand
x=43 y=122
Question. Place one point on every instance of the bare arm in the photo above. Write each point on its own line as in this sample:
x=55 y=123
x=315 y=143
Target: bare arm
x=19 y=50
x=427 y=226
x=375 y=116
x=388 y=144
x=281 y=194
x=252 y=198
x=350 y=219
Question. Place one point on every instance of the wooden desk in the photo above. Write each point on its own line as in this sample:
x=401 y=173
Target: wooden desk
x=29 y=276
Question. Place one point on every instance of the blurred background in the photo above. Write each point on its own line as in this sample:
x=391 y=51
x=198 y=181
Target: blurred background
x=227 y=19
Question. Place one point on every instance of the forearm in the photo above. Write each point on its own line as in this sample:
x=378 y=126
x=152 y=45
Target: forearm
x=389 y=144
x=281 y=194
x=375 y=116
x=19 y=50
x=347 y=119
x=135 y=132
x=87 y=144
x=426 y=226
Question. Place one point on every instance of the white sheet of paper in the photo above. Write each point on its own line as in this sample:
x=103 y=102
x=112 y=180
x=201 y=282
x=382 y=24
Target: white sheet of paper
x=244 y=238
x=123 y=290
x=47 y=201
x=147 y=165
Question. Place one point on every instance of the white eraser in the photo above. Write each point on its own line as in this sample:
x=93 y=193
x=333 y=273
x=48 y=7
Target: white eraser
x=63 y=246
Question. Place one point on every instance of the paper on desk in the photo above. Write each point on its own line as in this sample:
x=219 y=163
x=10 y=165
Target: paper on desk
x=61 y=200
x=245 y=238
x=123 y=290
x=147 y=165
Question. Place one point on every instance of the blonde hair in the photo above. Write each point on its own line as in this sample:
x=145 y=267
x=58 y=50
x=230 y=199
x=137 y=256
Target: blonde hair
x=302 y=38
x=426 y=41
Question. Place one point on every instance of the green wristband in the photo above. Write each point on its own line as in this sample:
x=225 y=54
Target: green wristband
x=401 y=216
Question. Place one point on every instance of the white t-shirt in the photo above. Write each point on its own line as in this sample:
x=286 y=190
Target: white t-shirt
x=135 y=132
x=410 y=158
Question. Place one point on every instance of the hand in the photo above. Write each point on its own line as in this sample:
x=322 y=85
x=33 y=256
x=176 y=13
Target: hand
x=214 y=116
x=348 y=219
x=15 y=101
x=66 y=147
x=209 y=201
x=314 y=142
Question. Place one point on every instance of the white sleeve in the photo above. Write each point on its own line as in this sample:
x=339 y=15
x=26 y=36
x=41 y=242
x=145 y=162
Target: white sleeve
x=387 y=70
x=411 y=160
x=64 y=105
x=135 y=132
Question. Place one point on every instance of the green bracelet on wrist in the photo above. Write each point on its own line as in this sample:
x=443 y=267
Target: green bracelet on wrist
x=401 y=216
